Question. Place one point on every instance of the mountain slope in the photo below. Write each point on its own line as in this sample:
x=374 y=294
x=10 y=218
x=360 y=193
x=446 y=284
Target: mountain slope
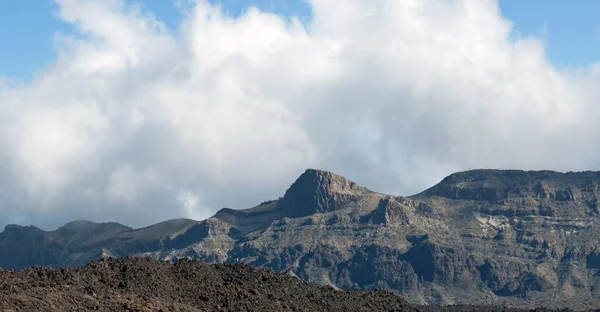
x=520 y=238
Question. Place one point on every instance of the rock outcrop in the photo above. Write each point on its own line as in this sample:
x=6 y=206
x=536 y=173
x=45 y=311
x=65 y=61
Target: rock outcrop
x=318 y=191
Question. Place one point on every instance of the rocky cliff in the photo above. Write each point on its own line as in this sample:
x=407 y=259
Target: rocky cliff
x=517 y=238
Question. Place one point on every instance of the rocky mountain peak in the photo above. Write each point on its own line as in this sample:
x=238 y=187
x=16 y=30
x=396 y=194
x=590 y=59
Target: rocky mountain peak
x=77 y=226
x=14 y=229
x=79 y=231
x=317 y=191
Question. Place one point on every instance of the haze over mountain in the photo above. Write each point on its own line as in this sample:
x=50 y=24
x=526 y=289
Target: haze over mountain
x=520 y=238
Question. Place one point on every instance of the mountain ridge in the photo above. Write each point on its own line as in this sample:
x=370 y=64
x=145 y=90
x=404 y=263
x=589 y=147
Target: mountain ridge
x=510 y=237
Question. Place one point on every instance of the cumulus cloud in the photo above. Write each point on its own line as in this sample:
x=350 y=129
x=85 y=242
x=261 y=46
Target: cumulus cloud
x=138 y=124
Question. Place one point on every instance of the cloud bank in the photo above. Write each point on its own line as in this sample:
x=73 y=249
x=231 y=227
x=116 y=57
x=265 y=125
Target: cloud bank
x=137 y=124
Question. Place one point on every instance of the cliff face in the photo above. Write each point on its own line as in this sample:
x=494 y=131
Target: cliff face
x=521 y=238
x=318 y=191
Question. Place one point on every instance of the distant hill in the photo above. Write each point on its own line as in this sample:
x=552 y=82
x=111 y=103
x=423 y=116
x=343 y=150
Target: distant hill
x=501 y=237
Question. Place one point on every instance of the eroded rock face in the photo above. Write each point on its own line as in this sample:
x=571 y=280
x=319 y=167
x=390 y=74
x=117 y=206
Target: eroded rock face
x=515 y=238
x=22 y=246
x=318 y=191
x=388 y=212
x=376 y=266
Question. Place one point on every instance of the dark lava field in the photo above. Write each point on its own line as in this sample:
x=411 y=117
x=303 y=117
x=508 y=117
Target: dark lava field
x=143 y=284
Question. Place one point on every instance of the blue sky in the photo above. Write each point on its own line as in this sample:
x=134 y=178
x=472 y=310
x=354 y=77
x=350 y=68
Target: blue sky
x=570 y=29
x=27 y=27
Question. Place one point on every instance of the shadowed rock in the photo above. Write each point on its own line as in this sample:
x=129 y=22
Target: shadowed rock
x=318 y=191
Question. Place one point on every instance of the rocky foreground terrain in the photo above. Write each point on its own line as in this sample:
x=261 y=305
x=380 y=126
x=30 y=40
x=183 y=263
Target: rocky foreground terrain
x=138 y=284
x=485 y=237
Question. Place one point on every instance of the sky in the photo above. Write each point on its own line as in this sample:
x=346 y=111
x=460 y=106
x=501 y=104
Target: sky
x=569 y=29
x=138 y=112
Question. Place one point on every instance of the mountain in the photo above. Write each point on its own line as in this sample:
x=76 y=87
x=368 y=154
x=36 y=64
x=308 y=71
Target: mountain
x=500 y=237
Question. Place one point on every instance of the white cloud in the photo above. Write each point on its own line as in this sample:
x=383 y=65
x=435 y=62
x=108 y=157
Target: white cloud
x=191 y=203
x=124 y=183
x=393 y=94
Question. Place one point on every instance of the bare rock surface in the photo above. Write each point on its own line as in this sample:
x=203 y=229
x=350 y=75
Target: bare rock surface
x=130 y=284
x=143 y=284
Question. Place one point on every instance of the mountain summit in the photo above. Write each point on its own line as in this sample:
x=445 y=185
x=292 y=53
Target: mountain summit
x=509 y=237
x=317 y=191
